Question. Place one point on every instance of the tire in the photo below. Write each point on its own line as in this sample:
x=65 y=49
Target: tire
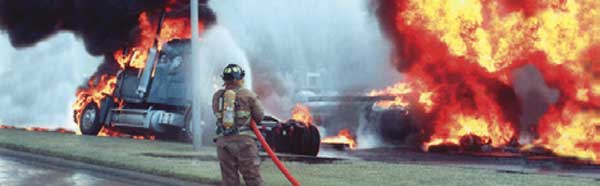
x=279 y=142
x=90 y=120
x=310 y=141
x=296 y=136
x=185 y=134
x=178 y=134
x=305 y=140
x=314 y=141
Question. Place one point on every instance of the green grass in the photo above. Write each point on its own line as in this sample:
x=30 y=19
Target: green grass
x=126 y=154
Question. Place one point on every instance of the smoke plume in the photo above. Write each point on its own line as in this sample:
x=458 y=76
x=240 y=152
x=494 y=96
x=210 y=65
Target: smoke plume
x=37 y=83
x=289 y=42
x=104 y=25
x=40 y=79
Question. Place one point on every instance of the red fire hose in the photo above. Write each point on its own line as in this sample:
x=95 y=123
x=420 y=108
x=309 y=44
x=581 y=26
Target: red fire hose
x=280 y=165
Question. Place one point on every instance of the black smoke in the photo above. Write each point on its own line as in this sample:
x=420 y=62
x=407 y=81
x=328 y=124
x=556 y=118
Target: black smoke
x=386 y=11
x=104 y=25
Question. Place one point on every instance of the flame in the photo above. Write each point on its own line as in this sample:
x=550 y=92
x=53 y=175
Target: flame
x=343 y=137
x=172 y=28
x=425 y=99
x=109 y=132
x=64 y=131
x=399 y=90
x=94 y=93
x=463 y=53
x=302 y=114
x=36 y=129
x=134 y=57
x=39 y=129
x=485 y=34
x=7 y=127
x=571 y=132
x=460 y=126
x=113 y=133
x=403 y=93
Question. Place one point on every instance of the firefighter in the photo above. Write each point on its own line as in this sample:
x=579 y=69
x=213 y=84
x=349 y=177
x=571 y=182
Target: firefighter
x=234 y=106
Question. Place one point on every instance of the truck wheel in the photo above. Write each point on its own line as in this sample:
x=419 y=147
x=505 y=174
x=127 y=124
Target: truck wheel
x=186 y=134
x=309 y=140
x=313 y=141
x=90 y=120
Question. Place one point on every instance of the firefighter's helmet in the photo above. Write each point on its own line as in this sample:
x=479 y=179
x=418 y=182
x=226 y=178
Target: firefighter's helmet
x=233 y=72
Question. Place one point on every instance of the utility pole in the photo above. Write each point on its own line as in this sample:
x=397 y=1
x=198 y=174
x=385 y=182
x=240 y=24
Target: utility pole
x=197 y=106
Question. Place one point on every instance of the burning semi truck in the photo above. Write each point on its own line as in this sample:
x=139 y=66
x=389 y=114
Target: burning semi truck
x=156 y=98
x=151 y=94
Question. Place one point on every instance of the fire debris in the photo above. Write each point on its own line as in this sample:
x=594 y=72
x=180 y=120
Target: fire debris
x=7 y=127
x=458 y=57
x=39 y=129
x=115 y=133
x=341 y=141
x=104 y=132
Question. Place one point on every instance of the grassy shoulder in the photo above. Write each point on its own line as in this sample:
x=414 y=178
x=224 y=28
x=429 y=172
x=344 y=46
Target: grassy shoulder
x=128 y=154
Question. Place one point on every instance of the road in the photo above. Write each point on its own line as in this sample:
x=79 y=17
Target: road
x=17 y=172
x=26 y=169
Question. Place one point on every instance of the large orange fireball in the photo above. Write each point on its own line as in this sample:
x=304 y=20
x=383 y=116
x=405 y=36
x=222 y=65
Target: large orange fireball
x=464 y=52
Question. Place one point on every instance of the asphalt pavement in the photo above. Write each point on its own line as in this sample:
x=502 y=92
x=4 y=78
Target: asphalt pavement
x=17 y=172
x=26 y=169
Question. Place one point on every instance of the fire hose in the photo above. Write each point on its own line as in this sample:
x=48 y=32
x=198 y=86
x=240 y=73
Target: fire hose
x=276 y=160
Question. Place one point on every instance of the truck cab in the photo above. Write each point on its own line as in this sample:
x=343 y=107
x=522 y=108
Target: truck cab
x=156 y=99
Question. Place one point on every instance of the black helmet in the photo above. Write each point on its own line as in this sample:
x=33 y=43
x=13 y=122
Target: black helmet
x=233 y=72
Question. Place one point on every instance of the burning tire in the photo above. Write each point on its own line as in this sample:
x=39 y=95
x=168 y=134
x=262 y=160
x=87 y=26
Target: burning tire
x=90 y=121
x=305 y=140
x=295 y=138
x=313 y=141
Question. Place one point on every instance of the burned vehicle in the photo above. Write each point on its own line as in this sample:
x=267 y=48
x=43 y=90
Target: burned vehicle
x=362 y=114
x=394 y=124
x=157 y=100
